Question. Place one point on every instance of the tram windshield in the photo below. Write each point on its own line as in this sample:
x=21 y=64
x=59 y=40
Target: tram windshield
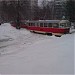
x=64 y=24
x=55 y=25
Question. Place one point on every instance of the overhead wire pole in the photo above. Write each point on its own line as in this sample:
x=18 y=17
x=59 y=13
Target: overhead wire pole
x=18 y=16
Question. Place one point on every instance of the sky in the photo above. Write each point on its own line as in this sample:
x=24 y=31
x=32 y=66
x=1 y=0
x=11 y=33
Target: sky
x=39 y=1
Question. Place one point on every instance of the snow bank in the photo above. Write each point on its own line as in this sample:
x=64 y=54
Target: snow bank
x=22 y=52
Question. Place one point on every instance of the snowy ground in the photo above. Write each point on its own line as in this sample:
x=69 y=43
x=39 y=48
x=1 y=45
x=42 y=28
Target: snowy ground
x=23 y=52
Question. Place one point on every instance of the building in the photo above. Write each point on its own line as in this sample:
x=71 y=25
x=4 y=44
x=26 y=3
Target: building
x=58 y=9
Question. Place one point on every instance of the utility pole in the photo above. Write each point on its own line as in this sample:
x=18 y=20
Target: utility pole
x=18 y=16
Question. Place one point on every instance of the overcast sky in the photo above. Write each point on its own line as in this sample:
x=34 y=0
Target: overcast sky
x=39 y=1
x=42 y=0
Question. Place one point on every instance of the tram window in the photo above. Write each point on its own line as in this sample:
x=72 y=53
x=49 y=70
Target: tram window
x=37 y=24
x=41 y=24
x=49 y=25
x=55 y=25
x=32 y=24
x=67 y=25
x=45 y=24
x=62 y=25
x=29 y=24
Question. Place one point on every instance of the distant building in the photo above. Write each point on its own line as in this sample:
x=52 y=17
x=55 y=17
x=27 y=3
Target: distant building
x=59 y=9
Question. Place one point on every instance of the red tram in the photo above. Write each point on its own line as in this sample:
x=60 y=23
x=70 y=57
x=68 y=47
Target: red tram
x=49 y=27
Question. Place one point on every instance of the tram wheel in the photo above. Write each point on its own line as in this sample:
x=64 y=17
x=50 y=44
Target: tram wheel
x=33 y=31
x=49 y=34
x=58 y=35
x=0 y=23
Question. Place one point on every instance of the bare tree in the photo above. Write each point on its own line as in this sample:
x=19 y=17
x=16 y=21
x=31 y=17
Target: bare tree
x=11 y=9
x=46 y=10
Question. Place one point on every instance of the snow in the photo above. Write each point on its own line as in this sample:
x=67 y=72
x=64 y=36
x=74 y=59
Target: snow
x=23 y=52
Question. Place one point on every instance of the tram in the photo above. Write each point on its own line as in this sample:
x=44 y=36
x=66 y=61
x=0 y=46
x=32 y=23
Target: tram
x=49 y=27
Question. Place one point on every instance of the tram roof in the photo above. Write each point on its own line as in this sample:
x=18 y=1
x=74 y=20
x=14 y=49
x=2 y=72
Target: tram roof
x=44 y=21
x=64 y=21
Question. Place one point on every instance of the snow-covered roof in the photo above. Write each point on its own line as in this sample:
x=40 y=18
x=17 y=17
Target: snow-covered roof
x=64 y=21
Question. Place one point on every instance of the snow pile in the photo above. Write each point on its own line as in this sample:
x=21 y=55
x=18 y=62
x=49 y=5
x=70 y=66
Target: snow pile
x=22 y=52
x=11 y=38
x=8 y=35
